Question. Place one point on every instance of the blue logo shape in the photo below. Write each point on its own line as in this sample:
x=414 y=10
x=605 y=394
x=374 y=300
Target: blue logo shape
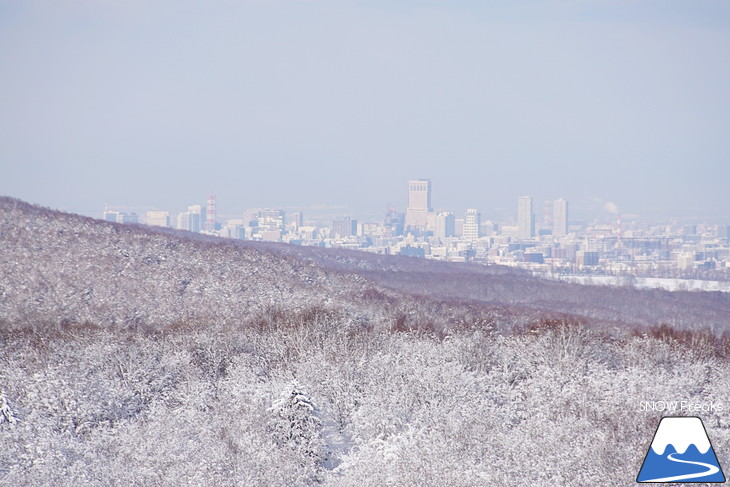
x=681 y=452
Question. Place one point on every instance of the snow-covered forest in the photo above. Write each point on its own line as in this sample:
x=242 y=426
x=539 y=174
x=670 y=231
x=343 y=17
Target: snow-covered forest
x=316 y=400
x=137 y=357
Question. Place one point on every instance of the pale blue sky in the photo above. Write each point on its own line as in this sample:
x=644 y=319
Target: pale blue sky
x=298 y=103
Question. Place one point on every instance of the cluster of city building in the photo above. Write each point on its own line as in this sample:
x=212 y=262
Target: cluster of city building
x=554 y=245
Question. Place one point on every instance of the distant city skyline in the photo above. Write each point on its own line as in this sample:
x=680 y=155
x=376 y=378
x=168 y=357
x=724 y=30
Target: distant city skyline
x=550 y=245
x=608 y=105
x=507 y=215
x=417 y=215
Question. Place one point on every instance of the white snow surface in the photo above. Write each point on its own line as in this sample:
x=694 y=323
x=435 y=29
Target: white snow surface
x=680 y=432
x=667 y=284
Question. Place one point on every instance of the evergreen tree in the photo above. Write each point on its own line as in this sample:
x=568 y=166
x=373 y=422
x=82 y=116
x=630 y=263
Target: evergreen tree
x=296 y=425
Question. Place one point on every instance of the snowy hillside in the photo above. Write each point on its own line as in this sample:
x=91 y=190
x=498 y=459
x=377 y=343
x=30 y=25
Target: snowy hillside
x=59 y=270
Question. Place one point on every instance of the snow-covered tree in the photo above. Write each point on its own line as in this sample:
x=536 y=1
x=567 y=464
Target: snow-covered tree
x=296 y=425
x=6 y=413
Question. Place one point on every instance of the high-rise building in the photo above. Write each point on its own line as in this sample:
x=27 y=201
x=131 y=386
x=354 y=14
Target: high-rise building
x=419 y=204
x=109 y=215
x=458 y=227
x=488 y=228
x=127 y=217
x=297 y=219
x=472 y=221
x=210 y=214
x=270 y=220
x=393 y=223
x=158 y=218
x=183 y=221
x=525 y=218
x=585 y=258
x=119 y=216
x=251 y=217
x=270 y=224
x=344 y=227
x=444 y=225
x=190 y=220
x=547 y=215
x=560 y=217
x=234 y=229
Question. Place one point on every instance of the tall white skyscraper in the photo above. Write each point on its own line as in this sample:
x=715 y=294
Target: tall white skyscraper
x=419 y=204
x=472 y=221
x=560 y=217
x=525 y=218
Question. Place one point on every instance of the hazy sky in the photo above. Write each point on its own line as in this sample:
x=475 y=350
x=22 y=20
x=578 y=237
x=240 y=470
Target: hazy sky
x=301 y=103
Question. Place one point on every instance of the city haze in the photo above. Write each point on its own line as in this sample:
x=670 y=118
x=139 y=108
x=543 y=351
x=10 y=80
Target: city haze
x=299 y=104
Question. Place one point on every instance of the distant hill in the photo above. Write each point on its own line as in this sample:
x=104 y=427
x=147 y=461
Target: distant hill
x=59 y=269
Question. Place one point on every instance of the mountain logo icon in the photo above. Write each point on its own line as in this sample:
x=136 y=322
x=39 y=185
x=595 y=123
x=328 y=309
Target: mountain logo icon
x=681 y=452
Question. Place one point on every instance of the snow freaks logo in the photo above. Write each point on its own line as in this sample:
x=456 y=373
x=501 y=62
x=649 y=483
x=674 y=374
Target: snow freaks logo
x=681 y=452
